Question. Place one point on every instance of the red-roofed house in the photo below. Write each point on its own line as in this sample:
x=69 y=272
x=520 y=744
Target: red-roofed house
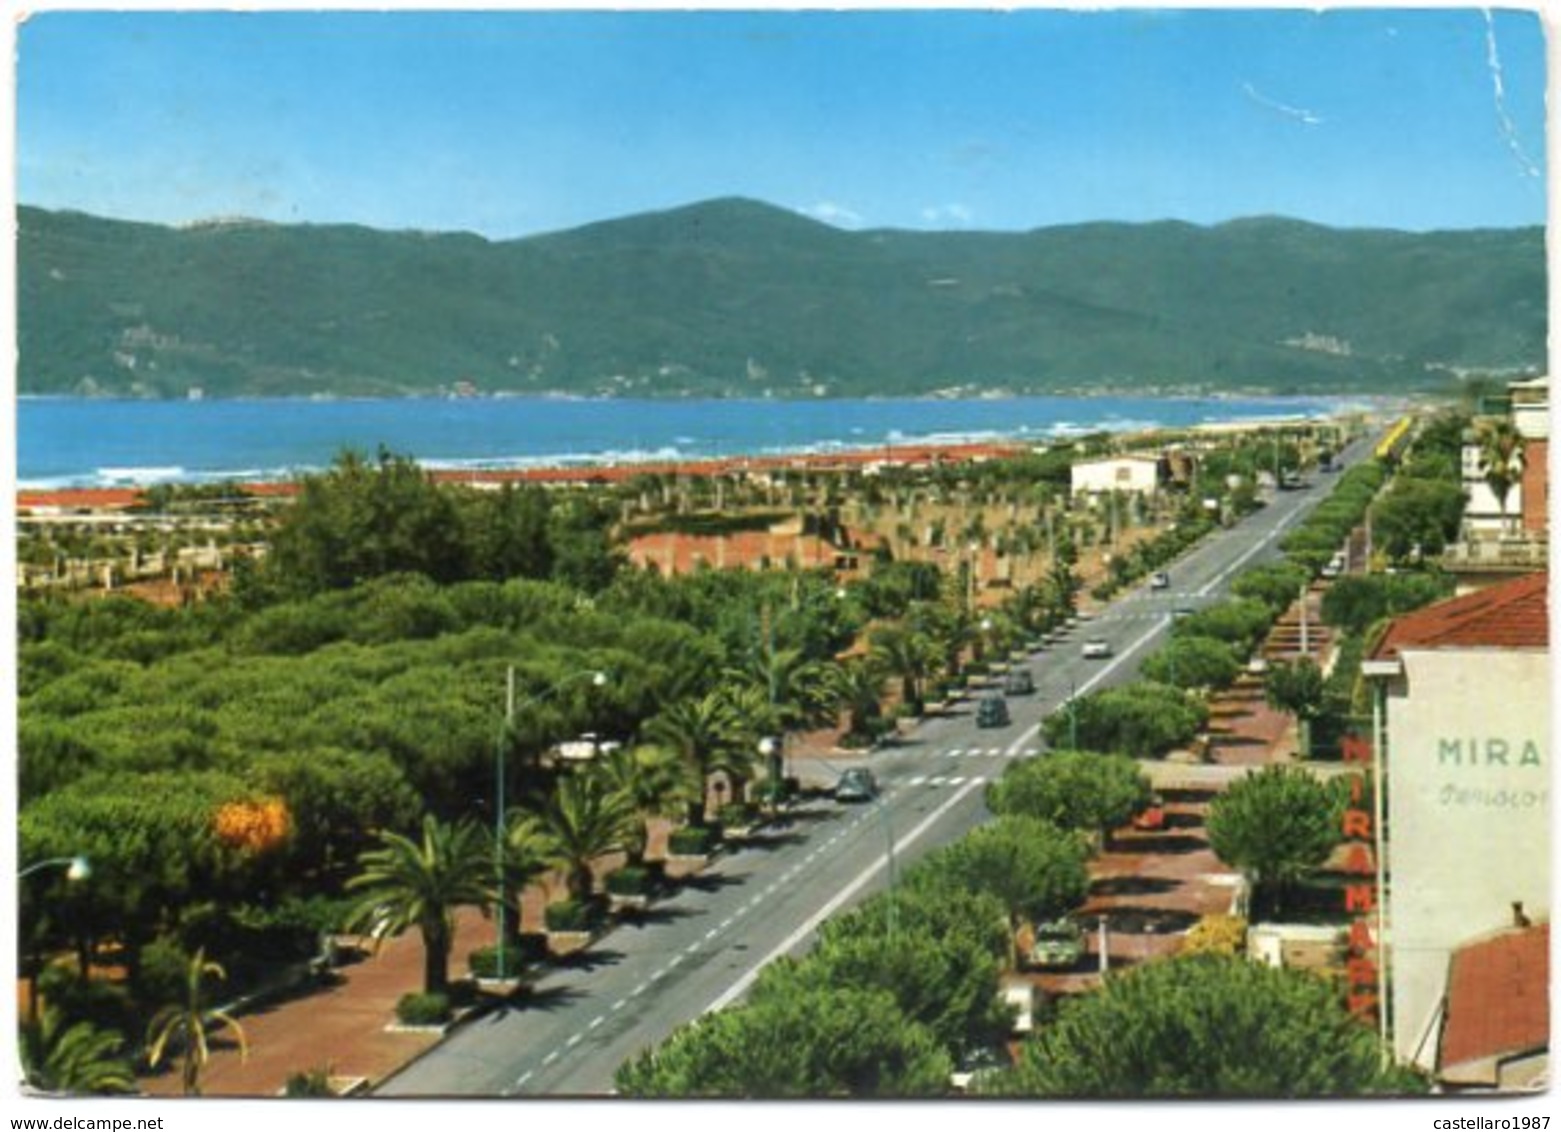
x=1496 y=1032
x=1463 y=726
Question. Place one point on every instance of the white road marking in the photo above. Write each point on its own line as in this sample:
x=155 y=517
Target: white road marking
x=597 y=1021
x=550 y=1058
x=919 y=780
x=833 y=904
x=620 y=1004
x=523 y=1078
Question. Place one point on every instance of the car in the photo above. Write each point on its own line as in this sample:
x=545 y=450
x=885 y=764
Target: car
x=857 y=784
x=1019 y=682
x=1097 y=650
x=1059 y=944
x=1159 y=580
x=992 y=711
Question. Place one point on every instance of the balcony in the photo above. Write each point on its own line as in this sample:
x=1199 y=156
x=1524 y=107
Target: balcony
x=1503 y=555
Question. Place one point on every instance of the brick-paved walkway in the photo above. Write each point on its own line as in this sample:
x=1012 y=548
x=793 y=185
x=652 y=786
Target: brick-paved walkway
x=1150 y=887
x=340 y=1026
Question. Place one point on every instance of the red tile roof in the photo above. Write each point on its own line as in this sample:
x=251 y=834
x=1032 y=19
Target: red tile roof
x=1498 y=999
x=1512 y=615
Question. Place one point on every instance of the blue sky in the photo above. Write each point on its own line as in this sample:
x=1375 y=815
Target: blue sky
x=512 y=123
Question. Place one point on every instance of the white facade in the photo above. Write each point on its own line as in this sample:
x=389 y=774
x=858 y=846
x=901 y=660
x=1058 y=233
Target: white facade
x=1117 y=473
x=1484 y=515
x=1468 y=792
x=1531 y=408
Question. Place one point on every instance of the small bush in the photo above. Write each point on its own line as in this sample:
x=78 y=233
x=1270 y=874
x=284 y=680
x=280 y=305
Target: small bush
x=631 y=880
x=1223 y=935
x=773 y=793
x=417 y=1009
x=164 y=968
x=309 y=1083
x=572 y=916
x=106 y=1005
x=736 y=814
x=690 y=841
x=518 y=956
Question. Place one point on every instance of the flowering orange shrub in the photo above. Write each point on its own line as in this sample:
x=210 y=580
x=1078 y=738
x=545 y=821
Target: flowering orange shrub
x=254 y=826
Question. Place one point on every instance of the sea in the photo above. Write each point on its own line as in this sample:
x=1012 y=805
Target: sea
x=66 y=442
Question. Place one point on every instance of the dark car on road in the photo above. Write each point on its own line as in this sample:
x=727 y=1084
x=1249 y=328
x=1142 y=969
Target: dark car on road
x=992 y=711
x=856 y=785
x=1019 y=682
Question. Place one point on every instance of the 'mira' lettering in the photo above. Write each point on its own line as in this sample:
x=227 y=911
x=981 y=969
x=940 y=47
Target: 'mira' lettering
x=1361 y=939
x=1487 y=752
x=1358 y=860
x=1362 y=1004
x=1357 y=823
x=1355 y=749
x=1359 y=898
x=1360 y=971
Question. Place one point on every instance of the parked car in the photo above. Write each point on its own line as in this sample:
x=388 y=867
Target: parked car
x=1058 y=944
x=1019 y=682
x=1159 y=580
x=857 y=784
x=992 y=711
x=1097 y=650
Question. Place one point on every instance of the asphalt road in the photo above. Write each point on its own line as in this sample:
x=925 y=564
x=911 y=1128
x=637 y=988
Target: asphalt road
x=701 y=949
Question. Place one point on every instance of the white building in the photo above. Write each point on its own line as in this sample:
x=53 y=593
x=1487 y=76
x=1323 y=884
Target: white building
x=1486 y=516
x=1118 y=473
x=1464 y=696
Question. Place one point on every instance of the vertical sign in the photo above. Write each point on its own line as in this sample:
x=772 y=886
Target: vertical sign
x=1363 y=966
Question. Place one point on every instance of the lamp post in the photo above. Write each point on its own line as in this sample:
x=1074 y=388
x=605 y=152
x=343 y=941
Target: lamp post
x=1073 y=714
x=770 y=752
x=598 y=678
x=77 y=869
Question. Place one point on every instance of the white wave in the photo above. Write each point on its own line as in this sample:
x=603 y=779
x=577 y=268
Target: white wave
x=132 y=477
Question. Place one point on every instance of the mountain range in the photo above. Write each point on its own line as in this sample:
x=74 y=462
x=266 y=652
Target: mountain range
x=735 y=298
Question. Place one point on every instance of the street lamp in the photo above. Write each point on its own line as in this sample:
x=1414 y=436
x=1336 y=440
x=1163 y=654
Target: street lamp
x=1073 y=714
x=76 y=868
x=769 y=751
x=598 y=679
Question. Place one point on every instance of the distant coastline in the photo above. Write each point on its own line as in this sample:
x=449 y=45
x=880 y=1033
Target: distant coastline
x=67 y=443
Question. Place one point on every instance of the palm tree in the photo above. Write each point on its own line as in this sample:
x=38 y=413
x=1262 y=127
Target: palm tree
x=77 y=1059
x=189 y=1024
x=754 y=715
x=910 y=657
x=653 y=782
x=410 y=883
x=581 y=821
x=704 y=733
x=1501 y=461
x=858 y=687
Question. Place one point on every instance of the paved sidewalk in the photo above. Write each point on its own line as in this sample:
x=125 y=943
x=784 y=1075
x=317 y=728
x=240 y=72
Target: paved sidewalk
x=341 y=1026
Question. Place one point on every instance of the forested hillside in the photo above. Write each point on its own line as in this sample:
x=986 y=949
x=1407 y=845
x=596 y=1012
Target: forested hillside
x=733 y=297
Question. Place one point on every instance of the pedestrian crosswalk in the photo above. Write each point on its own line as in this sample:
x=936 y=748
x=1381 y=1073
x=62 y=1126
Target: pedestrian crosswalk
x=984 y=768
x=990 y=753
